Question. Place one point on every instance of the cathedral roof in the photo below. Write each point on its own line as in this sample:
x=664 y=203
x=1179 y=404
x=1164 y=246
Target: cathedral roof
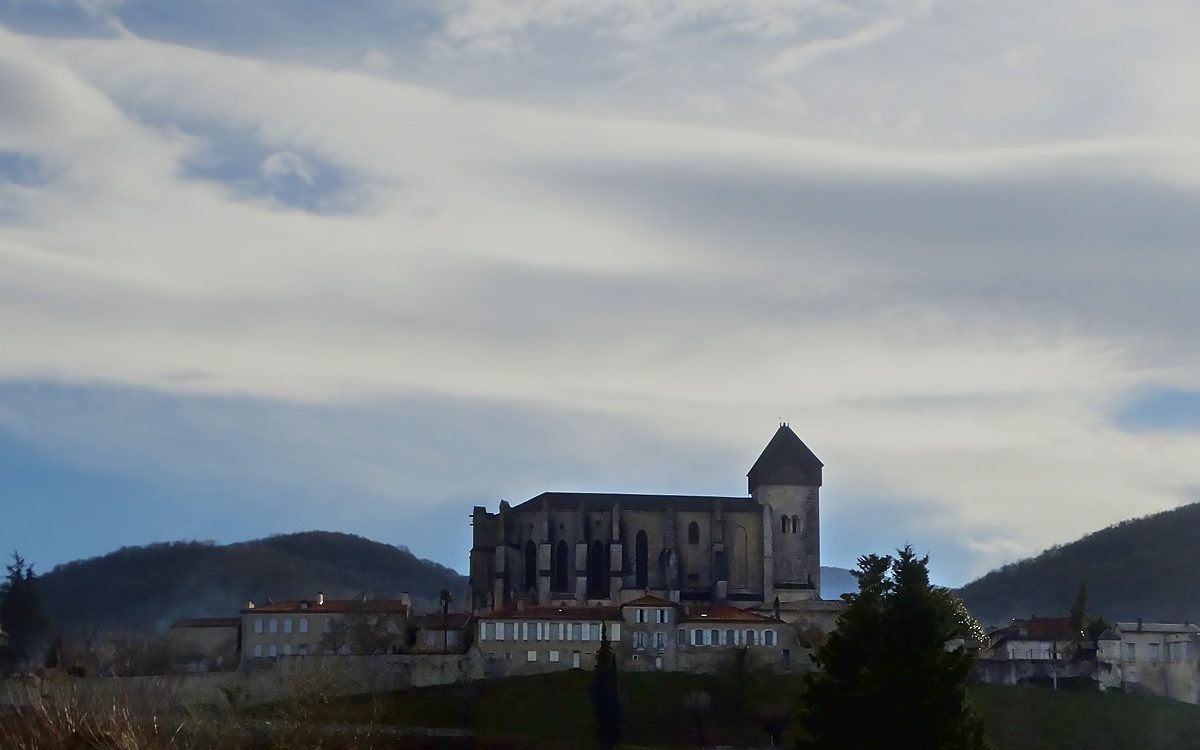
x=786 y=460
x=606 y=500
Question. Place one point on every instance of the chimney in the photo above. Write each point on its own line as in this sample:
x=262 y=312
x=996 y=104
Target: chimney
x=1139 y=624
x=320 y=598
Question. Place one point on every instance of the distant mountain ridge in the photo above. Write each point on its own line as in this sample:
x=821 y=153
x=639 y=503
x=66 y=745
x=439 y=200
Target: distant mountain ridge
x=149 y=586
x=1145 y=567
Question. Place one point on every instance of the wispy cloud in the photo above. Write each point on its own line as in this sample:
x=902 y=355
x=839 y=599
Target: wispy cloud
x=945 y=261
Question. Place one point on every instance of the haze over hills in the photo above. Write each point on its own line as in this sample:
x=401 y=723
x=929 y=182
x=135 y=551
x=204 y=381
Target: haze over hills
x=152 y=585
x=149 y=586
x=1145 y=567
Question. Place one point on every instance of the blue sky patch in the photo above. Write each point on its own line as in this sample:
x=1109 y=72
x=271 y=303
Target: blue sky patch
x=1160 y=409
x=21 y=169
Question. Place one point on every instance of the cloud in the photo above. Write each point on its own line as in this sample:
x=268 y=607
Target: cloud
x=947 y=273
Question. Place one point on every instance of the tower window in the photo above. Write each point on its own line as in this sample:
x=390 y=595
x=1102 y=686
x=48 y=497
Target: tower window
x=786 y=523
x=693 y=533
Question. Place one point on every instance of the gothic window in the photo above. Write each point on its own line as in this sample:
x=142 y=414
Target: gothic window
x=786 y=522
x=795 y=524
x=641 y=561
x=693 y=533
x=530 y=565
x=561 y=563
x=597 y=571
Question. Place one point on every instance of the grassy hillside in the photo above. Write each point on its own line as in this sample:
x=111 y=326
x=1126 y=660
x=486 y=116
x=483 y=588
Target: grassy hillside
x=554 y=709
x=1144 y=567
x=150 y=586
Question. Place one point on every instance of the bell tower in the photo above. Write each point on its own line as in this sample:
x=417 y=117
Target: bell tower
x=785 y=481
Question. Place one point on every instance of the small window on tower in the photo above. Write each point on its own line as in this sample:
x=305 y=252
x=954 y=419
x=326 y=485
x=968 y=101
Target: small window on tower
x=693 y=533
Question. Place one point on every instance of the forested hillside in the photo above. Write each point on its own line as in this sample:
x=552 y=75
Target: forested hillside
x=1146 y=567
x=148 y=587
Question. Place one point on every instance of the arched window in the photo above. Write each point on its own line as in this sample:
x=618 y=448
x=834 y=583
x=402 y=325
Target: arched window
x=786 y=521
x=768 y=637
x=693 y=533
x=641 y=561
x=795 y=524
x=531 y=572
x=750 y=639
x=561 y=562
x=730 y=637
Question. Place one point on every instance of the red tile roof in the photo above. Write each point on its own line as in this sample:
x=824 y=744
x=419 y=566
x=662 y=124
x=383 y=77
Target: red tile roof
x=332 y=606
x=721 y=613
x=540 y=612
x=649 y=600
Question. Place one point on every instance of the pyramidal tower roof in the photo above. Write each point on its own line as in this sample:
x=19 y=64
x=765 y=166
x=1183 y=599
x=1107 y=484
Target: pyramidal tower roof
x=786 y=460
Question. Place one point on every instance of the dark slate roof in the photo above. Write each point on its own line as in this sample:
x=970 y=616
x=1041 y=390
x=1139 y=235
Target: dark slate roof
x=786 y=460
x=606 y=500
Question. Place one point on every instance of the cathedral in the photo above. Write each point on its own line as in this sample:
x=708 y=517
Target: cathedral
x=760 y=552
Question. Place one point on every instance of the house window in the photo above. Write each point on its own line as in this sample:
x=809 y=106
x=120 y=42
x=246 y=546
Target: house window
x=681 y=640
x=257 y=624
x=615 y=632
x=558 y=630
x=303 y=624
x=287 y=625
x=639 y=640
x=750 y=638
x=697 y=637
x=500 y=627
x=714 y=637
x=661 y=616
x=1154 y=652
x=658 y=662
x=258 y=651
x=641 y=615
x=524 y=631
x=287 y=649
x=768 y=637
x=554 y=657
x=1130 y=652
x=531 y=656
x=693 y=533
x=271 y=652
x=660 y=641
x=273 y=625
x=730 y=637
x=577 y=631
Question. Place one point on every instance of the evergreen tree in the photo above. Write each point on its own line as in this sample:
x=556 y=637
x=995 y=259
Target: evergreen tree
x=21 y=610
x=605 y=701
x=1079 y=610
x=886 y=679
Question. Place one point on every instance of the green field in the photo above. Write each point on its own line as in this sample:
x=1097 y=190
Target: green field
x=554 y=710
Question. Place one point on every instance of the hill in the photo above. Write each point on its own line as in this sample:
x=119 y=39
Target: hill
x=1145 y=567
x=148 y=587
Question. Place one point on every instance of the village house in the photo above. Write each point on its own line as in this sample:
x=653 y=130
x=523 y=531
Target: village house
x=529 y=639
x=205 y=644
x=436 y=633
x=1037 y=638
x=1153 y=657
x=323 y=626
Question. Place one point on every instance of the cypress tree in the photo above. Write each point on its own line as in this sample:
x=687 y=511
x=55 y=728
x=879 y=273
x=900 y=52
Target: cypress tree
x=606 y=705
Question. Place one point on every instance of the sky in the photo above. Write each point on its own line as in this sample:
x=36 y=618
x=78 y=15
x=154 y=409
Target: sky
x=268 y=267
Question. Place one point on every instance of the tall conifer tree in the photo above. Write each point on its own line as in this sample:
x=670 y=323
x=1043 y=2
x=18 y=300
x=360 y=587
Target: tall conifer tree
x=606 y=703
x=886 y=679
